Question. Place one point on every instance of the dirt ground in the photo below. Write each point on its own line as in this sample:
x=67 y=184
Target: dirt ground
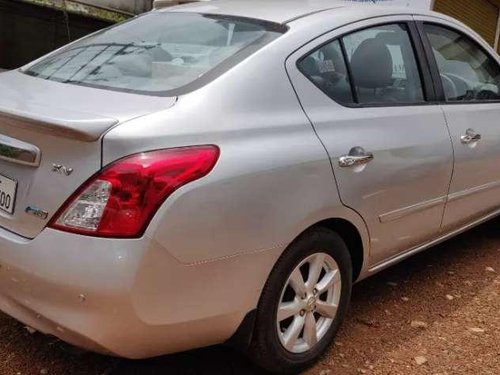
x=437 y=313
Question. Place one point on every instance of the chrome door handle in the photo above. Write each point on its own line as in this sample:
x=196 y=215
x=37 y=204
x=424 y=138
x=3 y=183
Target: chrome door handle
x=357 y=156
x=470 y=137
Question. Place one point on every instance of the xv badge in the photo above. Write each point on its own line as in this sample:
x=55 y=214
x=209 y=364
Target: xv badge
x=61 y=169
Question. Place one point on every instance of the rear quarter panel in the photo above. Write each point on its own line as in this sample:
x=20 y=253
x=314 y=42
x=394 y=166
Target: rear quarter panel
x=273 y=180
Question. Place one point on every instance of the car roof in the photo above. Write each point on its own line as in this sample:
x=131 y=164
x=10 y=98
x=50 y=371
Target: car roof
x=279 y=11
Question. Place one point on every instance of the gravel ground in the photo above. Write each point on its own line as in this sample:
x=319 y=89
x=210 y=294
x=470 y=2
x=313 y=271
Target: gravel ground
x=437 y=313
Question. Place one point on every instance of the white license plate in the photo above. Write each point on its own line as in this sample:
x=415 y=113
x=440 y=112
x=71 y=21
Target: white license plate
x=8 y=188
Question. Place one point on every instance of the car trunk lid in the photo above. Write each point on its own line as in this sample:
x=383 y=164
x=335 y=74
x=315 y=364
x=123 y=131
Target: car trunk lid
x=50 y=143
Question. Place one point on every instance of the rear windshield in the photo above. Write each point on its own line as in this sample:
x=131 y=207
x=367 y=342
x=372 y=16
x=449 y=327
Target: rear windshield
x=158 y=53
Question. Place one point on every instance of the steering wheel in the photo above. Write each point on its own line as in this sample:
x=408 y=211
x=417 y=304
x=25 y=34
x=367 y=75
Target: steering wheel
x=487 y=95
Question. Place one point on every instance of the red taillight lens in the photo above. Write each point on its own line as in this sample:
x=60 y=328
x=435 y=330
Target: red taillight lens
x=121 y=200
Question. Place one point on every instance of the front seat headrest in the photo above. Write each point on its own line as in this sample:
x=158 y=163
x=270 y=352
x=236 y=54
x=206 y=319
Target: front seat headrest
x=371 y=64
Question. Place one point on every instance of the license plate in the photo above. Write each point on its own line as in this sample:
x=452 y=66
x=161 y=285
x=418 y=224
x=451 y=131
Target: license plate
x=8 y=188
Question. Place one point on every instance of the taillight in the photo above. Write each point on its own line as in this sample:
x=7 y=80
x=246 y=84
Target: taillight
x=121 y=200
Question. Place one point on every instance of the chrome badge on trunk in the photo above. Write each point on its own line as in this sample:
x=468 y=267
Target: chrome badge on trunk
x=38 y=212
x=61 y=169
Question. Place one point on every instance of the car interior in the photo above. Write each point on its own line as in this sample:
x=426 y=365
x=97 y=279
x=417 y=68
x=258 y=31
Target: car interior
x=467 y=72
x=390 y=77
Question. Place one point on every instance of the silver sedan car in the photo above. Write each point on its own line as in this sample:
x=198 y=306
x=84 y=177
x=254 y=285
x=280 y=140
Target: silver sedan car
x=224 y=171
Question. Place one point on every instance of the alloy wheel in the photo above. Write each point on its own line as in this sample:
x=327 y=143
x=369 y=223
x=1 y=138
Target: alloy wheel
x=309 y=303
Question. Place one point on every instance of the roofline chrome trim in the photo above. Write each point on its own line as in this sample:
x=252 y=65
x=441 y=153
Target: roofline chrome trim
x=313 y=13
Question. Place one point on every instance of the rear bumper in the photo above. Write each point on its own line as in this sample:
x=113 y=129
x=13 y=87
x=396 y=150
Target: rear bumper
x=128 y=298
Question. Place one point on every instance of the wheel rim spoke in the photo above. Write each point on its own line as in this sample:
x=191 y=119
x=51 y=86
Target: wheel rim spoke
x=310 y=332
x=309 y=302
x=315 y=268
x=297 y=283
x=288 y=309
x=328 y=280
x=293 y=332
x=327 y=310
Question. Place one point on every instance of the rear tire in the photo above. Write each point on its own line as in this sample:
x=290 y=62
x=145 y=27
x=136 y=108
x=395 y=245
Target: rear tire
x=295 y=323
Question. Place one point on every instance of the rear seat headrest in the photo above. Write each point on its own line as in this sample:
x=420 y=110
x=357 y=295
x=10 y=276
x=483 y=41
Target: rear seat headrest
x=371 y=64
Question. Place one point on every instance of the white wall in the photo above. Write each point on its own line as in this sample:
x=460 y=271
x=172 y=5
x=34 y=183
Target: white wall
x=412 y=3
x=129 y=6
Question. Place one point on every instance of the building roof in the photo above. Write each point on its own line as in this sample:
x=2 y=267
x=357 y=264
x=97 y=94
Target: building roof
x=280 y=11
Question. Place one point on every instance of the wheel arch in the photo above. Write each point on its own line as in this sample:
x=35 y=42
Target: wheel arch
x=352 y=229
x=352 y=237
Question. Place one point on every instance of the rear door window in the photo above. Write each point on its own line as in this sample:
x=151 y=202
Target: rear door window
x=383 y=65
x=374 y=66
x=327 y=69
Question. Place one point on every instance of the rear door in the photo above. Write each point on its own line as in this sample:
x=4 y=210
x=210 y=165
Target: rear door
x=369 y=100
x=468 y=76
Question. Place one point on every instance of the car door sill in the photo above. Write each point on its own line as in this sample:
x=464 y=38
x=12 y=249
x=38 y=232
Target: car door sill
x=402 y=256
